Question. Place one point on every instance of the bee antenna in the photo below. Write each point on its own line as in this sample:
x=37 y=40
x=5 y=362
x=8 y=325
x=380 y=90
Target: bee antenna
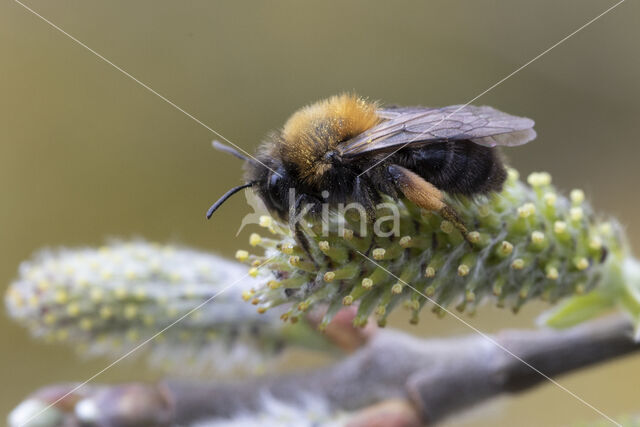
x=224 y=198
x=223 y=147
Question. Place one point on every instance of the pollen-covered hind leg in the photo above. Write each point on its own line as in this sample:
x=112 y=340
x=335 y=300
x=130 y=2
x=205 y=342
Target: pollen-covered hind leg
x=451 y=215
x=425 y=195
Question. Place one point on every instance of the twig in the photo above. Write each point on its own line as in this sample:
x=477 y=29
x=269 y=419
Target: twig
x=438 y=376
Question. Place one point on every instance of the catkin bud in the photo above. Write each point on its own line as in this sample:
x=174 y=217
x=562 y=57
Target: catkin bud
x=528 y=242
x=108 y=301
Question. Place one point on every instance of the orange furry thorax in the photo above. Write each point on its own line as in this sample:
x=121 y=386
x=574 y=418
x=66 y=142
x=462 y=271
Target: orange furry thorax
x=318 y=128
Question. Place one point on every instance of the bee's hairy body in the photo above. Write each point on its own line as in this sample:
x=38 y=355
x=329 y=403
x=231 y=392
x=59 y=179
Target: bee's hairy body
x=305 y=155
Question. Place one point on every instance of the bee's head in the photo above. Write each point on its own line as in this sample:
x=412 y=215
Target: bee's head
x=270 y=181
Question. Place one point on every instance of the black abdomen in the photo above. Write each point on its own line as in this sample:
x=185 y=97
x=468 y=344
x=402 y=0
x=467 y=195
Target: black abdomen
x=460 y=167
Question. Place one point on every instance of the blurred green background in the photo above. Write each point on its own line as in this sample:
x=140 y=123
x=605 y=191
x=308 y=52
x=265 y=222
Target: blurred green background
x=86 y=153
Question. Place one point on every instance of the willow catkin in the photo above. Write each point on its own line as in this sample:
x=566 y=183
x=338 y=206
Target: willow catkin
x=108 y=301
x=527 y=242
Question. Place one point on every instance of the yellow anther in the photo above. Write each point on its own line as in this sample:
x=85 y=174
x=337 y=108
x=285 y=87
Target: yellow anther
x=537 y=237
x=505 y=248
x=473 y=237
x=255 y=239
x=397 y=289
x=130 y=311
x=265 y=221
x=526 y=210
x=539 y=179
x=106 y=312
x=463 y=270
x=242 y=255
x=50 y=319
x=430 y=272
x=550 y=199
x=470 y=296
x=43 y=285
x=552 y=273
x=606 y=229
x=577 y=196
x=559 y=227
x=86 y=324
x=595 y=243
x=73 y=309
x=133 y=335
x=518 y=264
x=378 y=254
x=367 y=283
x=582 y=263
x=287 y=248
x=120 y=292
x=274 y=284
x=61 y=297
x=576 y=213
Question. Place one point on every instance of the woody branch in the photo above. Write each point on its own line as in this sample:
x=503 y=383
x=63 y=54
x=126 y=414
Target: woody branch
x=433 y=378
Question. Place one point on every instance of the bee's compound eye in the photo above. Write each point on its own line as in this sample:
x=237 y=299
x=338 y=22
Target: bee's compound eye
x=274 y=191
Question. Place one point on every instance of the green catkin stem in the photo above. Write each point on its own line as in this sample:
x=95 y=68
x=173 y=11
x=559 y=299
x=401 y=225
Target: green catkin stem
x=302 y=264
x=337 y=254
x=290 y=248
x=349 y=271
x=356 y=293
x=355 y=242
x=366 y=307
x=418 y=242
x=435 y=264
x=527 y=242
x=378 y=276
x=334 y=307
x=498 y=284
x=296 y=281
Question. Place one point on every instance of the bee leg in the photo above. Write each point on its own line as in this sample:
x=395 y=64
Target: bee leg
x=452 y=216
x=425 y=195
x=303 y=241
x=298 y=231
x=364 y=194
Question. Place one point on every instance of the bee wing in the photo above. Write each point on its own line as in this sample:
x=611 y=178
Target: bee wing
x=420 y=125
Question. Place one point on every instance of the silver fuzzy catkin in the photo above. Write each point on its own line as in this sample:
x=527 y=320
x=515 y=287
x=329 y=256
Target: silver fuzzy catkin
x=108 y=301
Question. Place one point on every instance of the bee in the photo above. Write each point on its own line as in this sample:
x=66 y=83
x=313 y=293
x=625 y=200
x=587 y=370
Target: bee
x=347 y=149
